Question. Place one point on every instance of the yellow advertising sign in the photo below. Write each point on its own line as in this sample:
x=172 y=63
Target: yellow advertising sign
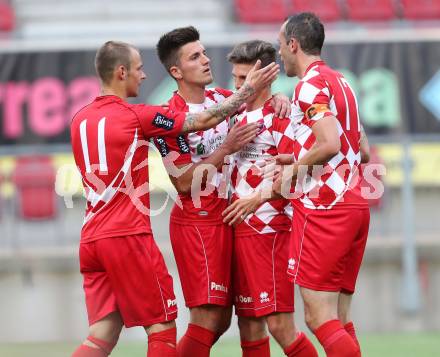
x=425 y=163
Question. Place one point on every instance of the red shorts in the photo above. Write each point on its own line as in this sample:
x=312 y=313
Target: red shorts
x=127 y=274
x=327 y=248
x=261 y=285
x=203 y=258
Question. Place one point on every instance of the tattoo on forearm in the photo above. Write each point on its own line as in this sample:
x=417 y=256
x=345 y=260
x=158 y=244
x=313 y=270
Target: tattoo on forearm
x=231 y=104
x=188 y=124
x=220 y=112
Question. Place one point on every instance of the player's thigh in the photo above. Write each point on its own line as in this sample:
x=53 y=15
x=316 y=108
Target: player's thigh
x=259 y=273
x=356 y=253
x=98 y=290
x=203 y=256
x=140 y=280
x=320 y=244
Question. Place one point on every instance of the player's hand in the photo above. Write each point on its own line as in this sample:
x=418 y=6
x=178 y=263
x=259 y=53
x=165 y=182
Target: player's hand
x=258 y=77
x=271 y=169
x=281 y=104
x=241 y=208
x=238 y=136
x=284 y=159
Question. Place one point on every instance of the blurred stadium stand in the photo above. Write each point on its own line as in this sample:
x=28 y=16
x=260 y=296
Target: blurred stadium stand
x=420 y=9
x=7 y=17
x=38 y=259
x=370 y=10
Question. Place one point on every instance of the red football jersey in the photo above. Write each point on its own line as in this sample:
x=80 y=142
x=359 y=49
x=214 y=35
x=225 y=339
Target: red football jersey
x=193 y=148
x=110 y=145
x=324 y=92
x=275 y=137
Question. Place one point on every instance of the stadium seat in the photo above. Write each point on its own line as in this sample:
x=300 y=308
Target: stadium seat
x=34 y=178
x=370 y=10
x=327 y=10
x=421 y=9
x=256 y=11
x=7 y=16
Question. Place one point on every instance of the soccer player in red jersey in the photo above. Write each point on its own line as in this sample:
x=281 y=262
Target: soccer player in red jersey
x=331 y=218
x=126 y=281
x=262 y=293
x=198 y=165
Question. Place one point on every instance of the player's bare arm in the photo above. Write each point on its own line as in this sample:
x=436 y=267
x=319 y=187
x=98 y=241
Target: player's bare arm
x=234 y=141
x=364 y=147
x=256 y=79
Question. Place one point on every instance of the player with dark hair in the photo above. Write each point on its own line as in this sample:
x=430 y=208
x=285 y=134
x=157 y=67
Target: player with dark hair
x=202 y=244
x=262 y=293
x=197 y=225
x=126 y=281
x=331 y=219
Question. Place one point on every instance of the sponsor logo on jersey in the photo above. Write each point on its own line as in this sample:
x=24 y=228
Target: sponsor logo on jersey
x=171 y=303
x=162 y=146
x=200 y=149
x=203 y=213
x=163 y=122
x=244 y=299
x=218 y=287
x=291 y=264
x=264 y=297
x=183 y=144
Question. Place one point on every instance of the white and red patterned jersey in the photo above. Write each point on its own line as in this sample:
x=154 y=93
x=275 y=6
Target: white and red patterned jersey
x=110 y=147
x=275 y=137
x=324 y=92
x=193 y=148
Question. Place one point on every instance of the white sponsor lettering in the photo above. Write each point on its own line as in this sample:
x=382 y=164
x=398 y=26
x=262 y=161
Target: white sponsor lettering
x=218 y=287
x=171 y=302
x=244 y=299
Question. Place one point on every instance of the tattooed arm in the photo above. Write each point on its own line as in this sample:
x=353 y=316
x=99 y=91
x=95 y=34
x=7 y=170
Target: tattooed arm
x=256 y=79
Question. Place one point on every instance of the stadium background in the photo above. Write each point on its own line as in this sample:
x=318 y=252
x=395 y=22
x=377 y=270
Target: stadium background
x=392 y=59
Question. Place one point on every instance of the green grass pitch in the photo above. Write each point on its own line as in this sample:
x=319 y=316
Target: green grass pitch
x=385 y=345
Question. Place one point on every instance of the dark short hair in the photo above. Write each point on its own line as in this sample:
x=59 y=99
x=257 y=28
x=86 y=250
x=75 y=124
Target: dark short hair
x=170 y=43
x=308 y=30
x=250 y=51
x=109 y=56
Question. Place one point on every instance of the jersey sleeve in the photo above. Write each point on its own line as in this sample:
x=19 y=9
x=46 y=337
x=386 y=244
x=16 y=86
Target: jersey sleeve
x=159 y=121
x=283 y=135
x=313 y=97
x=224 y=92
x=178 y=146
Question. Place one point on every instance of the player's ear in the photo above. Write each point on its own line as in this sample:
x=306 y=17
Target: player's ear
x=293 y=45
x=175 y=72
x=121 y=72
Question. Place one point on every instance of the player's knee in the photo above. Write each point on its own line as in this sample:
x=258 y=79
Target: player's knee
x=310 y=319
x=252 y=329
x=281 y=326
x=224 y=325
x=107 y=329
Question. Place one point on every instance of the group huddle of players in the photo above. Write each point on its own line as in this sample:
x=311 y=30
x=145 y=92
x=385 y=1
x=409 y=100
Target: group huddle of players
x=268 y=198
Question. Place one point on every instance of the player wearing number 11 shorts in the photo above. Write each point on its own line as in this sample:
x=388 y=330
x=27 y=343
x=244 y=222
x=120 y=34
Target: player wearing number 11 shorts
x=126 y=281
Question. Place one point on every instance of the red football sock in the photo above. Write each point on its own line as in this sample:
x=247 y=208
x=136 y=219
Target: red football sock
x=87 y=351
x=349 y=327
x=162 y=344
x=259 y=348
x=336 y=341
x=105 y=348
x=301 y=347
x=197 y=341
